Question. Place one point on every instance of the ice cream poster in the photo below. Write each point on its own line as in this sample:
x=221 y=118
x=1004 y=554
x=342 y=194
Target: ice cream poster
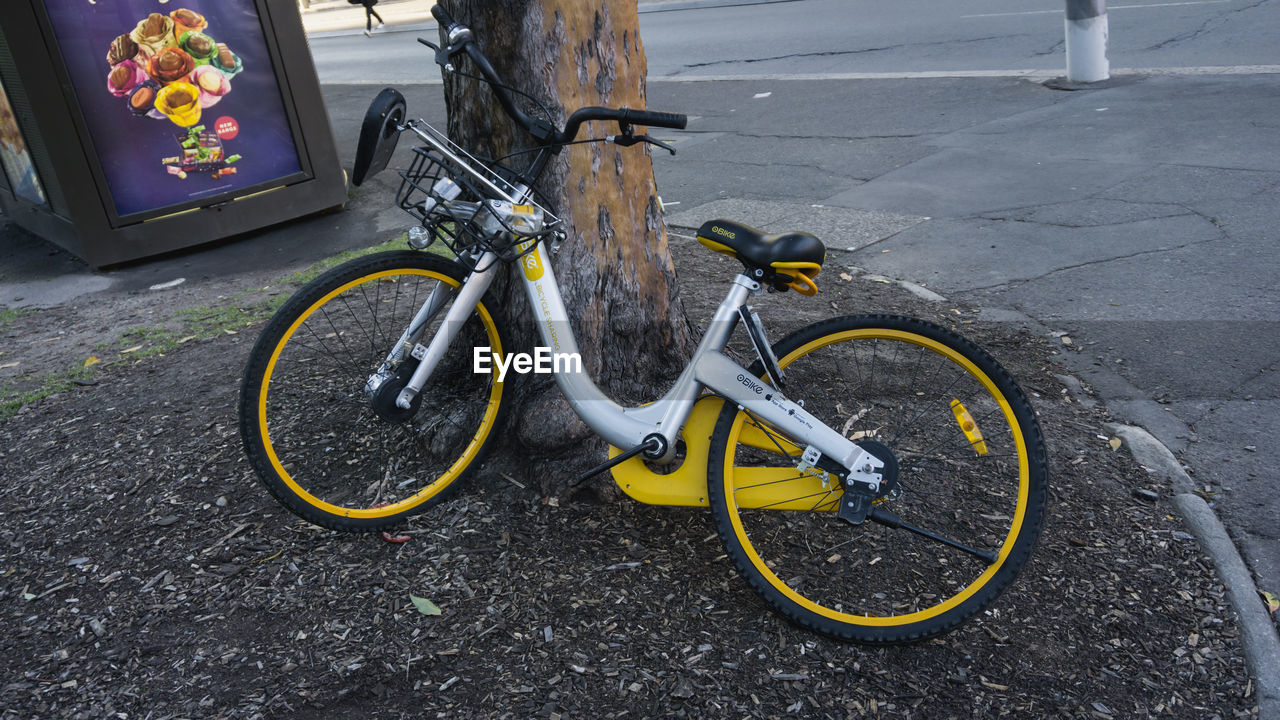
x=180 y=98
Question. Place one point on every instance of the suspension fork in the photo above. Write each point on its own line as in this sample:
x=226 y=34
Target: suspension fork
x=465 y=301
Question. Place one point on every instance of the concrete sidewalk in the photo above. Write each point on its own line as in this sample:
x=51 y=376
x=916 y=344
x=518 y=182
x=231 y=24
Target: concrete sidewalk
x=338 y=17
x=333 y=18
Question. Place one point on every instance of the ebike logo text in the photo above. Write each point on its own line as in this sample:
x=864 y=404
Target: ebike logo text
x=751 y=384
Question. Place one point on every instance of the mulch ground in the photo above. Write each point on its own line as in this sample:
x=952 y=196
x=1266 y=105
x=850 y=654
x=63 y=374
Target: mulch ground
x=146 y=575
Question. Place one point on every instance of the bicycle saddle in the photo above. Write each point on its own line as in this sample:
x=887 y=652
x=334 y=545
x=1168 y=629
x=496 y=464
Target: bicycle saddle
x=790 y=260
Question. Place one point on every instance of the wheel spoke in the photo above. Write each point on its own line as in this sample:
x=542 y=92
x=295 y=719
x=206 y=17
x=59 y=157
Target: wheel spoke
x=310 y=418
x=942 y=525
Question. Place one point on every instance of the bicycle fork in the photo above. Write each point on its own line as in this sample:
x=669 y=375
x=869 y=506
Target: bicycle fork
x=407 y=343
x=465 y=300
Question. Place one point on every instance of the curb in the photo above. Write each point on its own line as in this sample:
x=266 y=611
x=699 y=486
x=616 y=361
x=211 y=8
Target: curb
x=1257 y=631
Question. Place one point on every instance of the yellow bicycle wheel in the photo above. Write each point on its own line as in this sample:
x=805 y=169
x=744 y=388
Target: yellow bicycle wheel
x=321 y=426
x=959 y=509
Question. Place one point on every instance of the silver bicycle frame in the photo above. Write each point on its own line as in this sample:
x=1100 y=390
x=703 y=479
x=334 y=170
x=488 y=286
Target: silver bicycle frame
x=709 y=367
x=630 y=427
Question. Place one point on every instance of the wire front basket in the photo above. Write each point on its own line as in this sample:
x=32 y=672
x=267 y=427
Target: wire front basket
x=445 y=189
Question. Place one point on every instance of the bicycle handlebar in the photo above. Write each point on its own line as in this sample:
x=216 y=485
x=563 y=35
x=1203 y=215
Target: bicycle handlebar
x=458 y=38
x=624 y=116
x=443 y=17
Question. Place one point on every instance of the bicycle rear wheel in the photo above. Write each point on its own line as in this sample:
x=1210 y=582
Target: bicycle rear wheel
x=965 y=463
x=327 y=442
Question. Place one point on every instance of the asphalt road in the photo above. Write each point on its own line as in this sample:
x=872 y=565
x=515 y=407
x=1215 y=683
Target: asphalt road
x=720 y=38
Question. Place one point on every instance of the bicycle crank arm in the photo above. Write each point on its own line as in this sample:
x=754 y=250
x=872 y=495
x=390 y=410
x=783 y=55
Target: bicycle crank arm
x=467 y=298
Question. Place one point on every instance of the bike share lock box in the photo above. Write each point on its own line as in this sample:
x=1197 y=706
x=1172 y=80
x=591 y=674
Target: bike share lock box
x=132 y=128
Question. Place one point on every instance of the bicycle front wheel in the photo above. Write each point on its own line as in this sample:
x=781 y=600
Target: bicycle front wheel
x=959 y=509
x=319 y=422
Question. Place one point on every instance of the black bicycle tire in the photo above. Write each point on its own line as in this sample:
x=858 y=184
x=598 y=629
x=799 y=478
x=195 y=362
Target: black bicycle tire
x=252 y=435
x=950 y=619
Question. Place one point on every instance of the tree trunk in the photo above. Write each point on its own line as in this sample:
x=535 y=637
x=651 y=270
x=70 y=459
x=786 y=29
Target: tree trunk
x=615 y=270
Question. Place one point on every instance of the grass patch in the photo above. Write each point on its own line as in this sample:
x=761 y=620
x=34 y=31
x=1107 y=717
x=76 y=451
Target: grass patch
x=12 y=401
x=302 y=277
x=226 y=316
x=7 y=316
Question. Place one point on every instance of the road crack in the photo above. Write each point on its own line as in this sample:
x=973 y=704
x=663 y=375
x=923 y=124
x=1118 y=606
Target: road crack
x=833 y=53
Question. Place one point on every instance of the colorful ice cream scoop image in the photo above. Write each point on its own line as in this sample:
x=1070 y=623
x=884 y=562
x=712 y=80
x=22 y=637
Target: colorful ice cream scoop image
x=180 y=102
x=185 y=21
x=154 y=34
x=122 y=48
x=168 y=68
x=199 y=46
x=171 y=65
x=201 y=152
x=124 y=77
x=213 y=85
x=228 y=62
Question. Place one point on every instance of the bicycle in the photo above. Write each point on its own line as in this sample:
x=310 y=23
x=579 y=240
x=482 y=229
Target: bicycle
x=895 y=497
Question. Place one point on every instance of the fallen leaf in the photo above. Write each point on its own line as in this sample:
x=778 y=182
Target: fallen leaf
x=846 y=277
x=1114 y=443
x=6 y=366
x=93 y=360
x=1273 y=602
x=425 y=606
x=133 y=349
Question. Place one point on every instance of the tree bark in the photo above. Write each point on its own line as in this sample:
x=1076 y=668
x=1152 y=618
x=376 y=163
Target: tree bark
x=615 y=269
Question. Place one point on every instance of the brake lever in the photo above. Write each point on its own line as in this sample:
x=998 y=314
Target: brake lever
x=629 y=140
x=659 y=143
x=443 y=54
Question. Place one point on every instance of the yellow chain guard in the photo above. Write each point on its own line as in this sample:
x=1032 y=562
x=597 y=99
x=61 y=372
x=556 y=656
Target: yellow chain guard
x=777 y=488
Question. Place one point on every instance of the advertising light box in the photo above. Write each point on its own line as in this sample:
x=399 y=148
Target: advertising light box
x=134 y=128
x=180 y=100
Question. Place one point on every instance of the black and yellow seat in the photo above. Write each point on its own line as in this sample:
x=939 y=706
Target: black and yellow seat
x=786 y=260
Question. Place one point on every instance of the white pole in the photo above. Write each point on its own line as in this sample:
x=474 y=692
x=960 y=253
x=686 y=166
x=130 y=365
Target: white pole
x=1086 y=28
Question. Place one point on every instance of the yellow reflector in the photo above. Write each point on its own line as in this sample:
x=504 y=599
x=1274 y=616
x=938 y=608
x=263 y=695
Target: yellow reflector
x=969 y=427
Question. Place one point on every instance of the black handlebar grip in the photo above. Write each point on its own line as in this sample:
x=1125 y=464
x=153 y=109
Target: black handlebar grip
x=443 y=17
x=653 y=118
